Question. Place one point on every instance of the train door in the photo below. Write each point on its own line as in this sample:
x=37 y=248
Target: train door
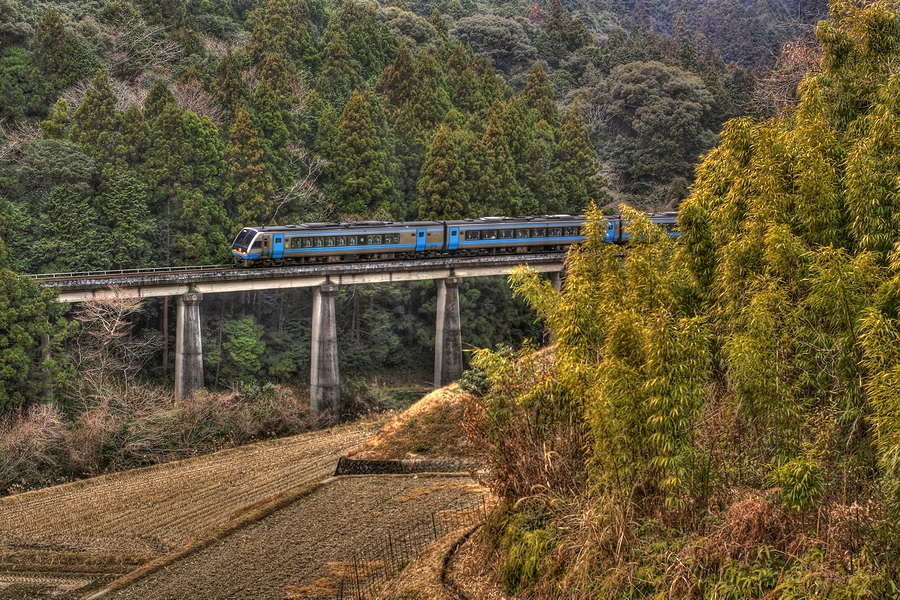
x=610 y=232
x=277 y=246
x=420 y=240
x=453 y=239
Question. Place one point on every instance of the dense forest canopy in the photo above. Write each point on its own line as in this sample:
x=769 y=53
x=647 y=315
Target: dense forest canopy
x=147 y=132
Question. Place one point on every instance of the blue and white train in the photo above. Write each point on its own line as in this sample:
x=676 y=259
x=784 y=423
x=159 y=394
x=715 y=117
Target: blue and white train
x=378 y=240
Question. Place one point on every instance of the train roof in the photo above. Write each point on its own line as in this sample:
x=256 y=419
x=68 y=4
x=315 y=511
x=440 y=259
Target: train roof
x=458 y=222
x=350 y=225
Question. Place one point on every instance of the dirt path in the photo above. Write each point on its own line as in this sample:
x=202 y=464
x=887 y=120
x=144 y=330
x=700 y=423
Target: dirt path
x=294 y=546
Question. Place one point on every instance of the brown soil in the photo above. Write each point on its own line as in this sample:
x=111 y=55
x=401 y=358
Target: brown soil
x=430 y=428
x=292 y=549
x=260 y=521
x=110 y=525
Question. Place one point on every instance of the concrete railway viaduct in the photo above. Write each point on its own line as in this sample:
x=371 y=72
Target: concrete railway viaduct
x=188 y=286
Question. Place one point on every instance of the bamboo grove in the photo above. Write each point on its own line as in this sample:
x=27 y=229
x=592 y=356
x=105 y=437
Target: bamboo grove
x=720 y=415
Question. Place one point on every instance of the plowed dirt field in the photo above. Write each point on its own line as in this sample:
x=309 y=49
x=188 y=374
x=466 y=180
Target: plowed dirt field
x=63 y=541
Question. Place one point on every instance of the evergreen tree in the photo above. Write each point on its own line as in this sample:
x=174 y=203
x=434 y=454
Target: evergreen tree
x=133 y=139
x=442 y=184
x=440 y=25
x=123 y=209
x=269 y=120
x=30 y=317
x=495 y=190
x=55 y=127
x=560 y=35
x=359 y=170
x=60 y=58
x=229 y=88
x=538 y=95
x=186 y=171
x=95 y=123
x=251 y=181
x=324 y=122
x=397 y=78
x=284 y=30
x=576 y=165
x=429 y=94
x=69 y=228
x=156 y=101
x=340 y=73
x=539 y=177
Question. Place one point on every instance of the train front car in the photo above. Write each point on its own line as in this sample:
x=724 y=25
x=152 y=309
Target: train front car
x=247 y=247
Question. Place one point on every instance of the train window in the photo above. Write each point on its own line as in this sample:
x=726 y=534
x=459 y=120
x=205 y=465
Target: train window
x=392 y=238
x=540 y=232
x=373 y=239
x=257 y=244
x=319 y=242
x=340 y=241
x=555 y=232
x=569 y=231
x=307 y=242
x=293 y=242
x=523 y=233
x=329 y=242
x=473 y=235
x=505 y=234
x=489 y=234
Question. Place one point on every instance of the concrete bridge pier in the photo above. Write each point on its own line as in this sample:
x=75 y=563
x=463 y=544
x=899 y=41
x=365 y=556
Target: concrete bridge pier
x=556 y=279
x=188 y=345
x=324 y=382
x=448 y=360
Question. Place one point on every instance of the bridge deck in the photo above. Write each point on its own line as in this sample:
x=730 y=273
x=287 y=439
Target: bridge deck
x=79 y=287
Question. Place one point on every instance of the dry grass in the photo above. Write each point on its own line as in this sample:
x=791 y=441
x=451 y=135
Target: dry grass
x=429 y=428
x=421 y=492
x=148 y=512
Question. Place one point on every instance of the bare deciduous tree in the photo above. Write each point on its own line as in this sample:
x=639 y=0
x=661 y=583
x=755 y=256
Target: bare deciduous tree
x=776 y=91
x=105 y=350
x=12 y=136
x=191 y=96
x=303 y=193
x=137 y=47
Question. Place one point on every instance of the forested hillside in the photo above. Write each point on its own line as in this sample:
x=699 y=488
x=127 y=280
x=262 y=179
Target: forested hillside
x=719 y=417
x=147 y=133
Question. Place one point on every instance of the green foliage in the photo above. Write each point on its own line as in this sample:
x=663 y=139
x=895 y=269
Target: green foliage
x=359 y=169
x=658 y=122
x=32 y=331
x=284 y=29
x=576 y=166
x=442 y=184
x=503 y=40
x=801 y=482
x=250 y=178
x=60 y=56
x=123 y=209
x=242 y=348
x=525 y=543
x=15 y=83
x=538 y=95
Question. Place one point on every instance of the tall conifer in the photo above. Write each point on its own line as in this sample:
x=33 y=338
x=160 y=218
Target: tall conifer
x=539 y=97
x=442 y=185
x=576 y=164
x=251 y=181
x=359 y=172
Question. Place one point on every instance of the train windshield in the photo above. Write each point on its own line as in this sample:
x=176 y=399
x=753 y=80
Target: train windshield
x=243 y=239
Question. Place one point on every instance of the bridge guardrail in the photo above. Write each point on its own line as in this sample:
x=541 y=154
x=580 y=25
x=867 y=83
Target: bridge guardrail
x=148 y=270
